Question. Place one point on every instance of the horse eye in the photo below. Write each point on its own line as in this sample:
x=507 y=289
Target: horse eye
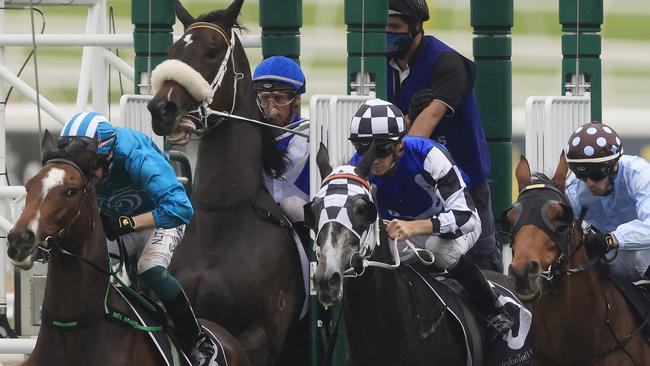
x=70 y=192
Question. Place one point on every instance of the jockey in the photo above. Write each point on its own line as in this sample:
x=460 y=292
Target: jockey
x=142 y=202
x=279 y=82
x=421 y=191
x=615 y=189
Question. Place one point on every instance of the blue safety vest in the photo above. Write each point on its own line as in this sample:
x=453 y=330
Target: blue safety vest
x=461 y=133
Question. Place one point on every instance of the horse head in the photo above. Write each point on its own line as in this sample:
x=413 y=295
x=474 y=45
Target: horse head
x=542 y=226
x=344 y=217
x=57 y=196
x=200 y=76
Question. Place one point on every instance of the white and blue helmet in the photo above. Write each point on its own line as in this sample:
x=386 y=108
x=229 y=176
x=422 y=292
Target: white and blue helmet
x=93 y=125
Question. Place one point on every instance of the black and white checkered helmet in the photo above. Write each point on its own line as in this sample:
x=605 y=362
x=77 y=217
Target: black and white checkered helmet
x=377 y=119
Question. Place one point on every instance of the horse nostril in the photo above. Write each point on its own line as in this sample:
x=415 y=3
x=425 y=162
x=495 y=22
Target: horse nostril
x=20 y=236
x=335 y=280
x=532 y=267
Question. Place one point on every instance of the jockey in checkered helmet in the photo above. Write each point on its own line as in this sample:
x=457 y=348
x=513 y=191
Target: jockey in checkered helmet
x=383 y=122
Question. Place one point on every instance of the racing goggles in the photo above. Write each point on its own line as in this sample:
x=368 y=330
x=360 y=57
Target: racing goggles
x=280 y=99
x=595 y=172
x=381 y=151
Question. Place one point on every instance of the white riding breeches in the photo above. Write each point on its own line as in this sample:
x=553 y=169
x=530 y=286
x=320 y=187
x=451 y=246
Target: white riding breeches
x=153 y=247
x=447 y=252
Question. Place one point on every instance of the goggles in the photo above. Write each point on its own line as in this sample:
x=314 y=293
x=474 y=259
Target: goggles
x=280 y=99
x=595 y=172
x=381 y=151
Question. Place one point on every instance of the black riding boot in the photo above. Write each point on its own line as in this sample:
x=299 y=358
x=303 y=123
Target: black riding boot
x=482 y=295
x=196 y=344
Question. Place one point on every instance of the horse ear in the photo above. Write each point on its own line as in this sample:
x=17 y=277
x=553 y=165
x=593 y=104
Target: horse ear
x=183 y=15
x=522 y=173
x=559 y=178
x=233 y=12
x=363 y=168
x=323 y=161
x=47 y=143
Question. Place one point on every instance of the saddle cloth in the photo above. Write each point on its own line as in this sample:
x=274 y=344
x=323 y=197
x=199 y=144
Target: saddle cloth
x=169 y=350
x=514 y=349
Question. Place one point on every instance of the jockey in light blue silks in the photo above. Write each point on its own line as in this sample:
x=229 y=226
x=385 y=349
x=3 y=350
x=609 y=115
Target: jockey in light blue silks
x=279 y=82
x=142 y=202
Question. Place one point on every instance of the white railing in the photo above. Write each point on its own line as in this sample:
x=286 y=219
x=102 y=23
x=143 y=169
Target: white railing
x=330 y=117
x=549 y=123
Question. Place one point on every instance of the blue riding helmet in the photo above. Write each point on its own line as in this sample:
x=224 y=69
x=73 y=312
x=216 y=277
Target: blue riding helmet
x=93 y=125
x=281 y=69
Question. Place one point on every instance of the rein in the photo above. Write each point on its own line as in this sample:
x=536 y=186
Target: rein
x=359 y=260
x=107 y=312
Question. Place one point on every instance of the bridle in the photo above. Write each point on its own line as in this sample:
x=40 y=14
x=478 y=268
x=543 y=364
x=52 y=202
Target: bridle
x=540 y=192
x=203 y=114
x=51 y=241
x=369 y=239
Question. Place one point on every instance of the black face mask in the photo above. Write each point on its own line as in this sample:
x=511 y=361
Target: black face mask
x=398 y=44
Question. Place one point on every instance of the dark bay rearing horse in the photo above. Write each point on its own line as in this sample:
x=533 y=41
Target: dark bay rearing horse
x=579 y=317
x=239 y=267
x=378 y=309
x=61 y=217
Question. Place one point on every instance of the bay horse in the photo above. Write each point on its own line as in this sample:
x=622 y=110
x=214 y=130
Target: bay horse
x=237 y=262
x=579 y=317
x=382 y=326
x=61 y=222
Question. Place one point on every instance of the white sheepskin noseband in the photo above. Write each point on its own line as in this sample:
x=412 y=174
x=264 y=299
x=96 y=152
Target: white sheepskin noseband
x=185 y=75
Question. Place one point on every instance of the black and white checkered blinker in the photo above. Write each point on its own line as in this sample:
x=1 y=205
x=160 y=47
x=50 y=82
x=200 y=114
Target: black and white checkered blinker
x=377 y=119
x=335 y=202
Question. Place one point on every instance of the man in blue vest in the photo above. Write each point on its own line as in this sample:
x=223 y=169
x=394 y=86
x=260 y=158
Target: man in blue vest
x=433 y=84
x=278 y=83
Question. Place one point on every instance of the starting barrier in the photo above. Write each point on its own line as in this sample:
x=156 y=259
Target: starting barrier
x=550 y=121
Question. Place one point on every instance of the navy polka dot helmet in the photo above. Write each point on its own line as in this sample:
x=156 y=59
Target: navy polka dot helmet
x=593 y=143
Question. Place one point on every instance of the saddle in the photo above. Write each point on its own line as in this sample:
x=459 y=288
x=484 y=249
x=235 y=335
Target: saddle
x=432 y=288
x=168 y=346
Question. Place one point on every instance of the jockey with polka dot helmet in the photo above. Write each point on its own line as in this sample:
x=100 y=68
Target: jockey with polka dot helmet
x=593 y=151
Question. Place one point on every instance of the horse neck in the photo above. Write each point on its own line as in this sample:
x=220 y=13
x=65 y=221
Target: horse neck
x=573 y=311
x=72 y=286
x=229 y=163
x=374 y=304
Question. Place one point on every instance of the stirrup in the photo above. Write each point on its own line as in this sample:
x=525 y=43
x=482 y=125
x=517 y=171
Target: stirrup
x=204 y=353
x=500 y=323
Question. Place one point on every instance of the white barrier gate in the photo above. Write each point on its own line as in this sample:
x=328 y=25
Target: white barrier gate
x=330 y=117
x=549 y=123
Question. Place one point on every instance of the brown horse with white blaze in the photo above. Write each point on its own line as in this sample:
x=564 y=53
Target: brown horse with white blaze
x=61 y=222
x=579 y=317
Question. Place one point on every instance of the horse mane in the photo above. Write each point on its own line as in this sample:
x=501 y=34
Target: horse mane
x=85 y=159
x=219 y=16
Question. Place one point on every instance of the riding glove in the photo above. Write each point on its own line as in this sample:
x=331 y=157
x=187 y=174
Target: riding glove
x=117 y=227
x=598 y=244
